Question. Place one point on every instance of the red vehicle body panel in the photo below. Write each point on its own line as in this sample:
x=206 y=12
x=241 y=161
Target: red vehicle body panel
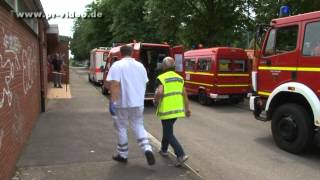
x=290 y=66
x=212 y=78
x=150 y=55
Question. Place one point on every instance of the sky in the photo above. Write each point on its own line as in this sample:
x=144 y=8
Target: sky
x=61 y=7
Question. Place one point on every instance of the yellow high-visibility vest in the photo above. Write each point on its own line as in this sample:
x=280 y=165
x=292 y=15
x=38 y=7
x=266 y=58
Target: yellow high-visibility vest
x=171 y=104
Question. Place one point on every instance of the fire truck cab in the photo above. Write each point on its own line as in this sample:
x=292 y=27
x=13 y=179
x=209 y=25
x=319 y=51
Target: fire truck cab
x=217 y=74
x=287 y=81
x=97 y=63
x=151 y=56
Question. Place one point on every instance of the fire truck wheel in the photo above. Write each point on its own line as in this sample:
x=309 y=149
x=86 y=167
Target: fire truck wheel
x=292 y=128
x=204 y=99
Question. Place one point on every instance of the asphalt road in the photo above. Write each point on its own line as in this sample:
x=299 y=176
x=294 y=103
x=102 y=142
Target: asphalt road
x=225 y=142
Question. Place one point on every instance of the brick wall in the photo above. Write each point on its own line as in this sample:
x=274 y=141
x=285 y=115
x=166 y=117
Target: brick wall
x=19 y=88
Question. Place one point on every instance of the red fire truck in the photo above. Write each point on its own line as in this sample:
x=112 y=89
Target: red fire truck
x=287 y=80
x=151 y=56
x=217 y=73
x=97 y=63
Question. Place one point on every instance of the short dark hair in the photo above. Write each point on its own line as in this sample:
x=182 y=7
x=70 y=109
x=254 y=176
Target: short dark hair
x=126 y=50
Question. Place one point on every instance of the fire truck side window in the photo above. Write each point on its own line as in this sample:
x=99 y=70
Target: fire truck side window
x=190 y=63
x=239 y=66
x=269 y=50
x=282 y=40
x=225 y=65
x=204 y=64
x=311 y=43
x=286 y=39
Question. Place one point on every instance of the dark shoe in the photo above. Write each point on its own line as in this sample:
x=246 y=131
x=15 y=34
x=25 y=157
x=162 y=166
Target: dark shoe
x=119 y=158
x=181 y=160
x=55 y=86
x=60 y=86
x=150 y=158
x=163 y=154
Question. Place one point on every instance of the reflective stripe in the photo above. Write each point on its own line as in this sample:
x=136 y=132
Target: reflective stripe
x=174 y=79
x=203 y=84
x=233 y=85
x=309 y=69
x=170 y=112
x=279 y=68
x=142 y=139
x=245 y=75
x=172 y=94
x=264 y=93
x=123 y=150
x=123 y=145
x=199 y=73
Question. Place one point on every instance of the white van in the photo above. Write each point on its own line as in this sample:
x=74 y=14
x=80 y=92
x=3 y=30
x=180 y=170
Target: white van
x=97 y=64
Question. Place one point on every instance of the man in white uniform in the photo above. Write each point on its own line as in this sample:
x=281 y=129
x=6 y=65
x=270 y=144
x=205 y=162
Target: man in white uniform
x=128 y=79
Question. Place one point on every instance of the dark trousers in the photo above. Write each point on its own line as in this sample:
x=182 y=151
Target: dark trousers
x=169 y=138
x=57 y=79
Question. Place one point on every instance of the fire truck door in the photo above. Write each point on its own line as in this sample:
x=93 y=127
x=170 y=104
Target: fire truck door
x=278 y=63
x=309 y=63
x=177 y=54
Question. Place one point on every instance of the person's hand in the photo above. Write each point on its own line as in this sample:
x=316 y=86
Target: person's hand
x=112 y=108
x=188 y=113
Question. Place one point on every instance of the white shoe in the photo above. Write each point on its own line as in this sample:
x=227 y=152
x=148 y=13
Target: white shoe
x=181 y=160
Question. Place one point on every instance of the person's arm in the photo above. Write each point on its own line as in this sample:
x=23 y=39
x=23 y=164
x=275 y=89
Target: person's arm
x=159 y=93
x=186 y=103
x=115 y=91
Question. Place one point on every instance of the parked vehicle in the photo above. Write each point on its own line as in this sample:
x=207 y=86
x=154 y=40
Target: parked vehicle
x=286 y=84
x=97 y=64
x=151 y=56
x=217 y=74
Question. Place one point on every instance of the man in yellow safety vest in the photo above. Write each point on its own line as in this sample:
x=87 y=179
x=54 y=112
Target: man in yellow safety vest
x=172 y=101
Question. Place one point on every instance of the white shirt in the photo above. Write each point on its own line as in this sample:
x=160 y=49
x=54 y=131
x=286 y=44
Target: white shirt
x=132 y=76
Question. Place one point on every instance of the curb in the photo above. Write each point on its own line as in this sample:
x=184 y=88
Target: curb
x=158 y=145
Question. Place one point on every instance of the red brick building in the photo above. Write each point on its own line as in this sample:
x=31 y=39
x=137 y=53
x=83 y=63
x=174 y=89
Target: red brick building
x=24 y=48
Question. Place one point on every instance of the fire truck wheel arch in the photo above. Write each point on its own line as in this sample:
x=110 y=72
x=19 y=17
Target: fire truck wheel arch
x=305 y=91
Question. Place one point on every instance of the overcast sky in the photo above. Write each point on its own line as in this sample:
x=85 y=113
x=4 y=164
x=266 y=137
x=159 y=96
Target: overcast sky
x=64 y=6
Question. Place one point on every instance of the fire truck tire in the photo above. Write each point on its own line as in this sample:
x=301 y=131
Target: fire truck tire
x=292 y=128
x=204 y=99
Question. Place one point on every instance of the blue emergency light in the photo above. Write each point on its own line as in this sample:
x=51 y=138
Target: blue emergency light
x=284 y=11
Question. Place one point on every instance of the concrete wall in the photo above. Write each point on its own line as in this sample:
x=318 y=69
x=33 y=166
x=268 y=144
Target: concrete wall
x=21 y=56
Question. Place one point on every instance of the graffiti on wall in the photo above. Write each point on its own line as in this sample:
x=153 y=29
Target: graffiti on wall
x=16 y=61
x=13 y=60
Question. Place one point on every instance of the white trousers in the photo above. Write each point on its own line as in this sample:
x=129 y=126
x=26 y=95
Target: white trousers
x=134 y=116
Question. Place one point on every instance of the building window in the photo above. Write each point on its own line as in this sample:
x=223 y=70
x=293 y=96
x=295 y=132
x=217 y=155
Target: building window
x=204 y=64
x=311 y=43
x=190 y=63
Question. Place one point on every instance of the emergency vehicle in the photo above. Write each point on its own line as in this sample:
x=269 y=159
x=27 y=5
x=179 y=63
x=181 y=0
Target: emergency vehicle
x=287 y=80
x=217 y=74
x=151 y=56
x=97 y=63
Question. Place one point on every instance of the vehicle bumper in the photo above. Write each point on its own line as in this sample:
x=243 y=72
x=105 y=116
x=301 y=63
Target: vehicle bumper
x=257 y=107
x=218 y=96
